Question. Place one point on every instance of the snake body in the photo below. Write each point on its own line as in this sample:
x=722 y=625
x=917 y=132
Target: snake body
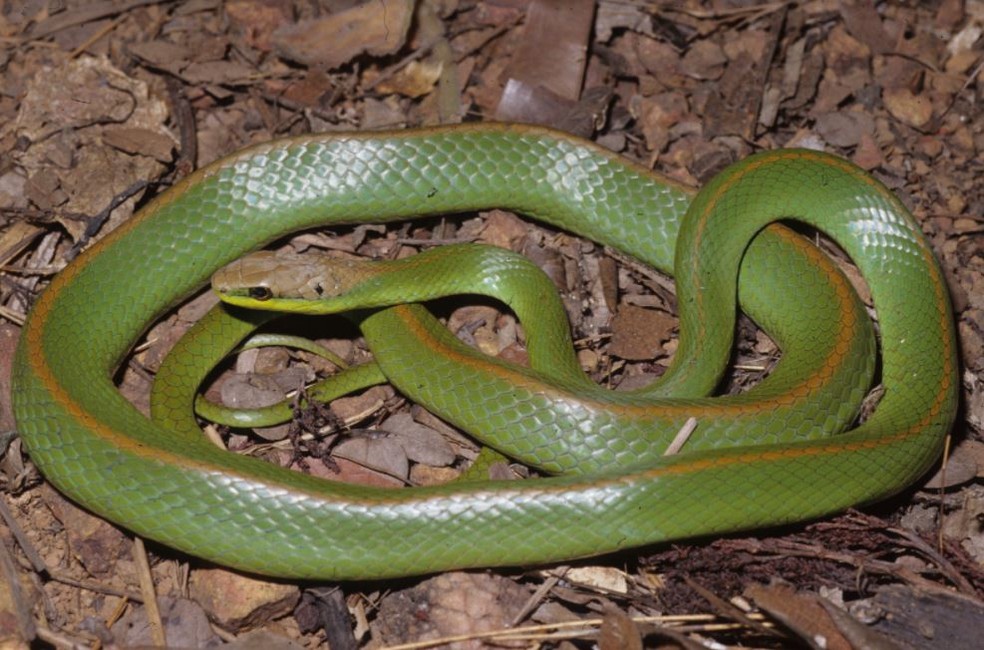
x=173 y=486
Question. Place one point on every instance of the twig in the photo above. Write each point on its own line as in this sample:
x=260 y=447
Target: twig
x=95 y=587
x=85 y=14
x=549 y=630
x=95 y=37
x=149 y=596
x=681 y=438
x=533 y=601
x=23 y=623
x=32 y=554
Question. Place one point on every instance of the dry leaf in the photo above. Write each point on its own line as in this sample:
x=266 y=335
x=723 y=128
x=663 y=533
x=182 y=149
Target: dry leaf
x=907 y=107
x=238 y=602
x=618 y=631
x=452 y=604
x=375 y=450
x=638 y=334
x=378 y=28
x=185 y=625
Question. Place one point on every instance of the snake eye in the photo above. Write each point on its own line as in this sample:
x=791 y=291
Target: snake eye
x=260 y=293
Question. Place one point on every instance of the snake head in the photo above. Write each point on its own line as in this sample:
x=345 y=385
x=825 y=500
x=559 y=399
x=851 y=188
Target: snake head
x=287 y=281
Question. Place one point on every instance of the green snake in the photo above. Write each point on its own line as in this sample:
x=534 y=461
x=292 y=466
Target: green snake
x=169 y=484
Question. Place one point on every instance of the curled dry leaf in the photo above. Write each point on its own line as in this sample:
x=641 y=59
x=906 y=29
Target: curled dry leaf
x=907 y=107
x=378 y=28
x=237 y=602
